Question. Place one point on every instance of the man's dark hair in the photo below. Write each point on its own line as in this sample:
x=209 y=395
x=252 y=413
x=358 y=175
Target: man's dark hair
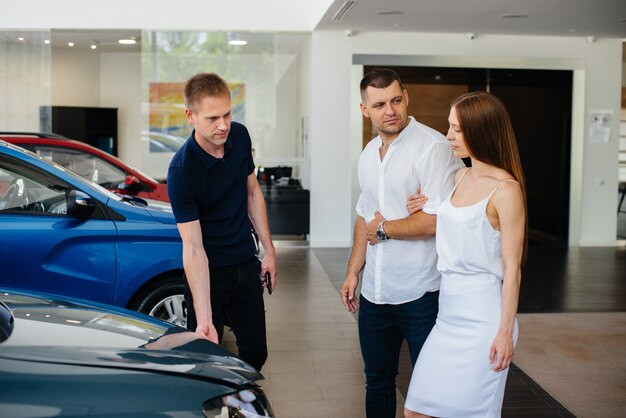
x=380 y=79
x=204 y=85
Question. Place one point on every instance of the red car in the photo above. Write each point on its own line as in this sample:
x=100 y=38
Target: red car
x=92 y=163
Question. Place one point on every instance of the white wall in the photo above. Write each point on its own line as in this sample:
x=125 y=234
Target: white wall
x=91 y=79
x=75 y=78
x=120 y=87
x=597 y=84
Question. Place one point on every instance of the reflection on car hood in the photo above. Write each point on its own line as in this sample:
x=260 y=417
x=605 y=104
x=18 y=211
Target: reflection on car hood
x=48 y=329
x=220 y=369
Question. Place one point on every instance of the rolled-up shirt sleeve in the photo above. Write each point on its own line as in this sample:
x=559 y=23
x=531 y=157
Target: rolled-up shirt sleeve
x=437 y=166
x=360 y=207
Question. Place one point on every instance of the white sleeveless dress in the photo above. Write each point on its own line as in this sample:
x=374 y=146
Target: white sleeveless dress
x=453 y=375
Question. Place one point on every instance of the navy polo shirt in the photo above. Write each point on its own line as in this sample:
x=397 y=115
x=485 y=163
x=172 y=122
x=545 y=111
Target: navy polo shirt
x=215 y=192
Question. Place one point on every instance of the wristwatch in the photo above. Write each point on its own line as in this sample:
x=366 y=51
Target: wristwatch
x=380 y=232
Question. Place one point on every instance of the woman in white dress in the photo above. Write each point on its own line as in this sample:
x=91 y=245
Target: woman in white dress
x=481 y=242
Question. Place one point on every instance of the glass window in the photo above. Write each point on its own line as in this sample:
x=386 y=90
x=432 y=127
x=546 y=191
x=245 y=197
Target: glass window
x=268 y=81
x=26 y=191
x=25 y=78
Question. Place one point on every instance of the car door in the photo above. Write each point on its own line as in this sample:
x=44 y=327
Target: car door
x=44 y=249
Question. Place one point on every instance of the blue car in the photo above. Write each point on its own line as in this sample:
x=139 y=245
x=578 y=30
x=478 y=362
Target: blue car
x=62 y=234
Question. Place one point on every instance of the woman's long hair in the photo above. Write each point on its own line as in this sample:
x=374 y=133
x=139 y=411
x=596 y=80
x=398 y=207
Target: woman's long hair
x=489 y=138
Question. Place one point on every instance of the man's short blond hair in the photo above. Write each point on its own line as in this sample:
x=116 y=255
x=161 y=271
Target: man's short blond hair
x=204 y=85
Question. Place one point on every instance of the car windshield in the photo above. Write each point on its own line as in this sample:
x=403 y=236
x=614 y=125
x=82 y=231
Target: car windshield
x=75 y=175
x=27 y=190
x=87 y=165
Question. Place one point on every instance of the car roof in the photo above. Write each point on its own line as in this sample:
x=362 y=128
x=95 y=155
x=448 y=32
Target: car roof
x=32 y=134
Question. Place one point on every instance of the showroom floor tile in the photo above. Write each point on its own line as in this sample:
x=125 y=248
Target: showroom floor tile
x=314 y=367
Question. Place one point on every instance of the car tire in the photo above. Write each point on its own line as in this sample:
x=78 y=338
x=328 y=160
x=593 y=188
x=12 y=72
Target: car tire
x=163 y=299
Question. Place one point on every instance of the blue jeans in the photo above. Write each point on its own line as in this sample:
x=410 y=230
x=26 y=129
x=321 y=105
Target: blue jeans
x=382 y=328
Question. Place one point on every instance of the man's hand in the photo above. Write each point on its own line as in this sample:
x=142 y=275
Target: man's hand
x=372 y=226
x=207 y=330
x=269 y=264
x=347 y=293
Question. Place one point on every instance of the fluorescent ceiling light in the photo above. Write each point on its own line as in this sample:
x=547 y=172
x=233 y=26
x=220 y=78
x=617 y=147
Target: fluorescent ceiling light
x=514 y=16
x=131 y=41
x=389 y=12
x=237 y=42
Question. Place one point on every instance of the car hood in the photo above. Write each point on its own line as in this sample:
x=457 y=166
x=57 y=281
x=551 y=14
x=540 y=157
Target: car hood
x=160 y=211
x=228 y=371
x=39 y=328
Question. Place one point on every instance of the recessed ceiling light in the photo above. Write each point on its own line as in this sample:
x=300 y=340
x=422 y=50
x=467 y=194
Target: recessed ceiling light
x=237 y=42
x=46 y=41
x=21 y=39
x=514 y=16
x=70 y=44
x=389 y=12
x=93 y=46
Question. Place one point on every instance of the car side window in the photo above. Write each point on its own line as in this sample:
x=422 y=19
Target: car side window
x=87 y=165
x=25 y=191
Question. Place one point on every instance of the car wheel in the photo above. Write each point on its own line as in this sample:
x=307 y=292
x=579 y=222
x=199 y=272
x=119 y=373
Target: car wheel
x=164 y=300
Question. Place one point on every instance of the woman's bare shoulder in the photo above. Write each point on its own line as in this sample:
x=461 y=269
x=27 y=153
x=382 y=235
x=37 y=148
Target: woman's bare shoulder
x=460 y=172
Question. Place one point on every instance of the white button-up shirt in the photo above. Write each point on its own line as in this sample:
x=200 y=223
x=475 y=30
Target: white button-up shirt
x=400 y=271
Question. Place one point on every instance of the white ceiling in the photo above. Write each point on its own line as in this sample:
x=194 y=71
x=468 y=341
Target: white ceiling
x=598 y=18
x=584 y=18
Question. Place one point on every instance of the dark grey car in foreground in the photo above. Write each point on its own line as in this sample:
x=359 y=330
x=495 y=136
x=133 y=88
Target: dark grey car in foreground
x=61 y=357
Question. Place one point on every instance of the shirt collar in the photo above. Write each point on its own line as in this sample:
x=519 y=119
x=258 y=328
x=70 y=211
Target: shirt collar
x=405 y=132
x=207 y=159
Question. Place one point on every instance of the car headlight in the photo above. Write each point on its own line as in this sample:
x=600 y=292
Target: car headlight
x=247 y=403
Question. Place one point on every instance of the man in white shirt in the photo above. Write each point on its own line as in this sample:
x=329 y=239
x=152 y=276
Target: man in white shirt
x=399 y=293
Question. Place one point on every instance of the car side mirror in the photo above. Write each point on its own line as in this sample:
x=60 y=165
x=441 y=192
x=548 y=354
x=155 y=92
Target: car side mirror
x=79 y=204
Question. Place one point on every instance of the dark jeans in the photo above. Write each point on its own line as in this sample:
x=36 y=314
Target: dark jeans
x=382 y=328
x=237 y=293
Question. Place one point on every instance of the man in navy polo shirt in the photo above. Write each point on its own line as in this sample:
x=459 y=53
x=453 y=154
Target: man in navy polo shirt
x=216 y=200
